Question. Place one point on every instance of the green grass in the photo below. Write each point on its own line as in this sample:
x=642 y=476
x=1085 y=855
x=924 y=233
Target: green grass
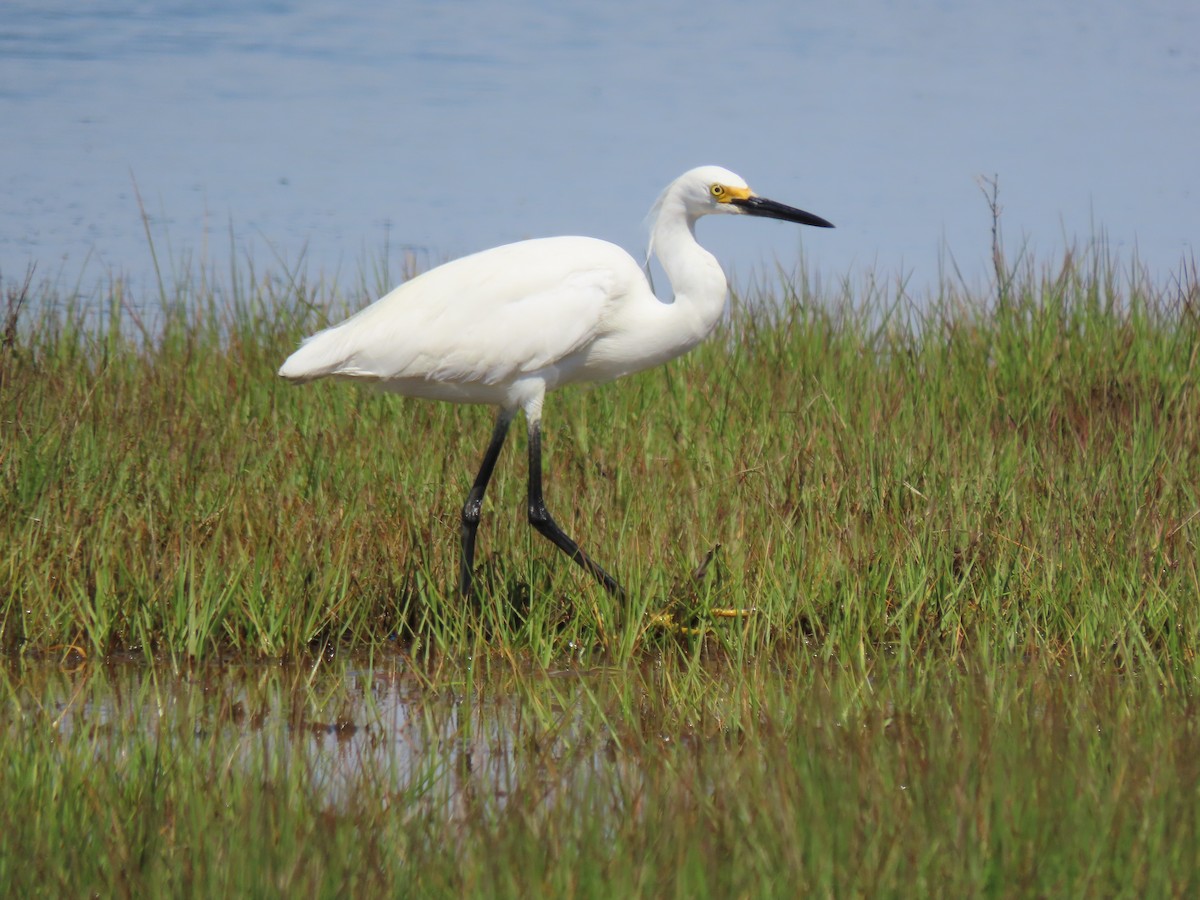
x=878 y=472
x=966 y=524
x=673 y=778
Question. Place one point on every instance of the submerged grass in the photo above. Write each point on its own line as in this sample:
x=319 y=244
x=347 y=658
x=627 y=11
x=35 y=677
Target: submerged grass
x=781 y=780
x=1021 y=475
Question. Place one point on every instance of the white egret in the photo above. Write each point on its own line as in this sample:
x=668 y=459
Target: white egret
x=506 y=325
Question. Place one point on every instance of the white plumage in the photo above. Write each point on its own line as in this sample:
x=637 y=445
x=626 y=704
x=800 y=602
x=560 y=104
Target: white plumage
x=463 y=331
x=506 y=325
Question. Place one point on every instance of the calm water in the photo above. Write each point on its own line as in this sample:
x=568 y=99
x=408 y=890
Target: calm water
x=348 y=724
x=317 y=134
x=436 y=738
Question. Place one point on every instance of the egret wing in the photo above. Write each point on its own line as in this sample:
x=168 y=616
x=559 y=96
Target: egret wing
x=482 y=319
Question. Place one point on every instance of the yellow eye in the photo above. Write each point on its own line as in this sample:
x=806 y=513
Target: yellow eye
x=718 y=190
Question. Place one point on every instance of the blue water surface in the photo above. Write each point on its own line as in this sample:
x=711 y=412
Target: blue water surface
x=325 y=137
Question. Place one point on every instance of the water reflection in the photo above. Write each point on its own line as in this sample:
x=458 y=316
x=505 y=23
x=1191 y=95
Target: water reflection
x=384 y=729
x=441 y=744
x=675 y=773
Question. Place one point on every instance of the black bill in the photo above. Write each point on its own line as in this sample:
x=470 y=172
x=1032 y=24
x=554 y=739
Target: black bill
x=769 y=209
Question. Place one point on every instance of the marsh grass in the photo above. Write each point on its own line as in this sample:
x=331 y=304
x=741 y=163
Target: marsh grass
x=668 y=778
x=966 y=526
x=1017 y=474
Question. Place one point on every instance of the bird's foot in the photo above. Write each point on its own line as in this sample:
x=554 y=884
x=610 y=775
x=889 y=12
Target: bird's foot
x=696 y=624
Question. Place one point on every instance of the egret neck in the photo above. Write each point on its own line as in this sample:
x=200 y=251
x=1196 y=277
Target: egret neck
x=697 y=282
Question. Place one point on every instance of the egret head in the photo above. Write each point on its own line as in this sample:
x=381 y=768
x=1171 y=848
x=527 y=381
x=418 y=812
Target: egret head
x=706 y=190
x=712 y=189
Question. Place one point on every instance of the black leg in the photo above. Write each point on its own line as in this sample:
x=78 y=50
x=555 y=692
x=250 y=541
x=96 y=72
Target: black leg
x=540 y=518
x=474 y=504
